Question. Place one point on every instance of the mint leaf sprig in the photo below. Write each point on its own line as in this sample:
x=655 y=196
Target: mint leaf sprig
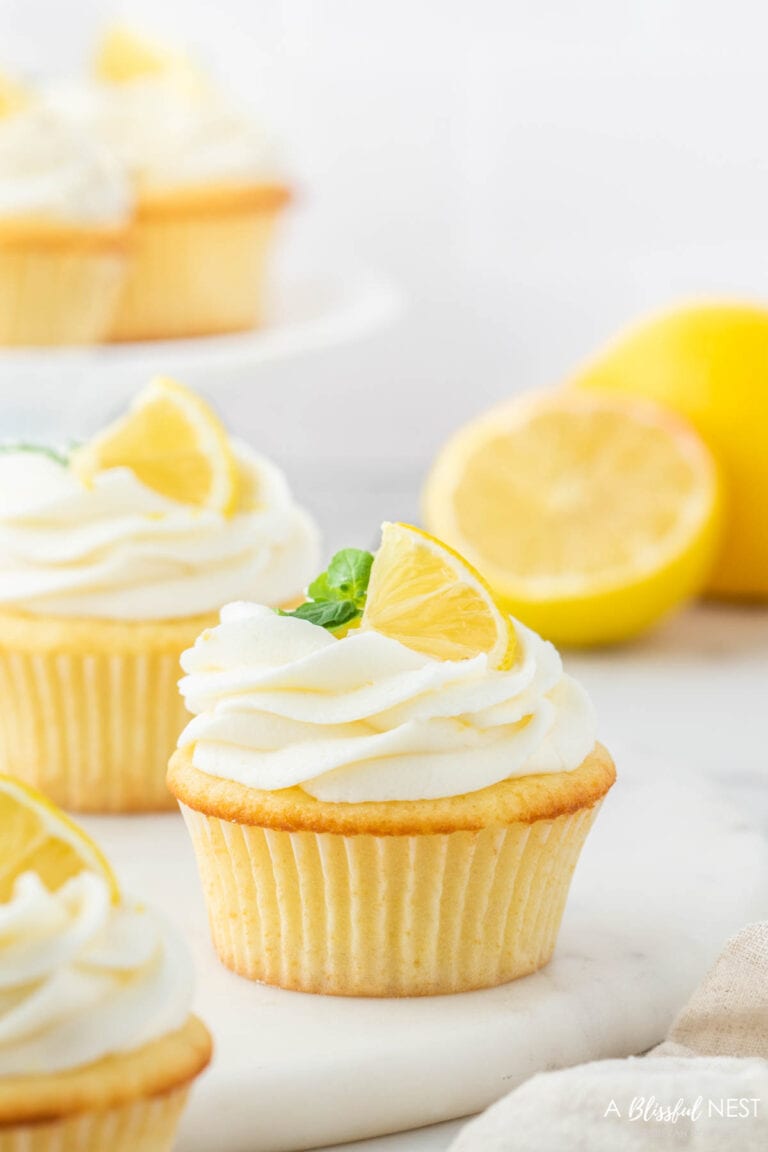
x=336 y=598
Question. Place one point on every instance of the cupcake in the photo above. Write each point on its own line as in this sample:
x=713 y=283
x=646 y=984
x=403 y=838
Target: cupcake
x=112 y=560
x=208 y=187
x=65 y=211
x=388 y=788
x=98 y=1049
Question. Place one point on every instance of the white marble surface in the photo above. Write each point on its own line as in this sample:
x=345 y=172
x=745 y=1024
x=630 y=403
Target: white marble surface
x=677 y=861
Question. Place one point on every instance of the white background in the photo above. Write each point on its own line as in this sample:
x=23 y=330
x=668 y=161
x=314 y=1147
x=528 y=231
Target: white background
x=534 y=174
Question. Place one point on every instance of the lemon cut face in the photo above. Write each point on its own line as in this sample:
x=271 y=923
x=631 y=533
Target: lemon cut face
x=37 y=837
x=425 y=595
x=590 y=517
x=174 y=443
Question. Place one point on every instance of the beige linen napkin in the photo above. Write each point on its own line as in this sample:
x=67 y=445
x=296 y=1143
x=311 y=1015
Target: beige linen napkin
x=705 y=1088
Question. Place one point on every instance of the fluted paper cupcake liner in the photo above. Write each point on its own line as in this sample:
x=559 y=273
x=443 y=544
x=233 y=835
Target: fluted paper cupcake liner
x=195 y=273
x=400 y=915
x=92 y=729
x=145 y=1125
x=58 y=297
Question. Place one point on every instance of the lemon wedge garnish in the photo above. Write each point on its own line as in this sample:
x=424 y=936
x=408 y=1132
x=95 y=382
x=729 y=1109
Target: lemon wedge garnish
x=13 y=96
x=37 y=837
x=590 y=517
x=173 y=442
x=425 y=595
x=124 y=55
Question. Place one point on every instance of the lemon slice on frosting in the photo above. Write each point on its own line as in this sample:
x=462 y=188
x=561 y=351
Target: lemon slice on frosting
x=37 y=837
x=174 y=443
x=425 y=595
x=124 y=55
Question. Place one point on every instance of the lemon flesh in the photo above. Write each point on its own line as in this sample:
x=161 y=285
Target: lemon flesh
x=174 y=443
x=591 y=518
x=123 y=55
x=37 y=837
x=426 y=596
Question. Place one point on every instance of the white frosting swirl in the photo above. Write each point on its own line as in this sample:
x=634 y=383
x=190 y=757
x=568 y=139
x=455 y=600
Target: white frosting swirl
x=81 y=978
x=170 y=134
x=281 y=702
x=50 y=171
x=119 y=550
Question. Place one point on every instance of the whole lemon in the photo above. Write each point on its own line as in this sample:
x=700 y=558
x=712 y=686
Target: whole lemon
x=709 y=363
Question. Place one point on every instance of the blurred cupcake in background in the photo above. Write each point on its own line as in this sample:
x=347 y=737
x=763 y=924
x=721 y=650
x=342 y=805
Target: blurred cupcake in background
x=65 y=213
x=208 y=186
x=98 y=1048
x=112 y=560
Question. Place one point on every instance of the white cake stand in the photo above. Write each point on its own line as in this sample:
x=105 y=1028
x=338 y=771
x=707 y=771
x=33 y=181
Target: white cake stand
x=45 y=392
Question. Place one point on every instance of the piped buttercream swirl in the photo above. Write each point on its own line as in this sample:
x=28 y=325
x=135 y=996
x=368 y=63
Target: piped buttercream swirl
x=82 y=978
x=280 y=702
x=117 y=549
x=51 y=172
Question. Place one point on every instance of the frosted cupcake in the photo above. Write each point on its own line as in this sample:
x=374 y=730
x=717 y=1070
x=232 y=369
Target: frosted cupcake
x=97 y=1045
x=112 y=561
x=209 y=192
x=387 y=789
x=65 y=213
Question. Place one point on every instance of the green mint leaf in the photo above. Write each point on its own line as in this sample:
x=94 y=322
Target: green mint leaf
x=337 y=597
x=40 y=449
x=326 y=613
x=348 y=574
x=319 y=590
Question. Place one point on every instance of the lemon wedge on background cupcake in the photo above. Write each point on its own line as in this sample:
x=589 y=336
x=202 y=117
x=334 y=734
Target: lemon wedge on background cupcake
x=173 y=442
x=708 y=362
x=38 y=835
x=590 y=517
x=124 y=55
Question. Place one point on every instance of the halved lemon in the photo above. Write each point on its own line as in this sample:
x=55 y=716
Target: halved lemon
x=124 y=55
x=173 y=442
x=590 y=516
x=427 y=597
x=37 y=837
